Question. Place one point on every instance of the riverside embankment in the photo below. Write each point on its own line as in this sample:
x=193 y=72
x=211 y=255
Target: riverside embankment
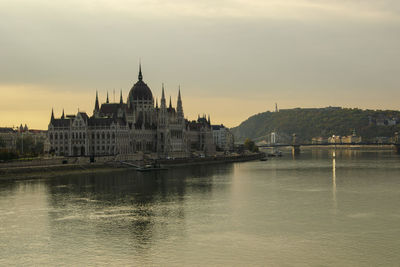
x=37 y=168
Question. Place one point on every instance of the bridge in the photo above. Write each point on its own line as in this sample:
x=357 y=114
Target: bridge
x=296 y=146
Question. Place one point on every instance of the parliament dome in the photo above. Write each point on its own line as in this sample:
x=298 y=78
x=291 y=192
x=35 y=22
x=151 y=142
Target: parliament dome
x=140 y=90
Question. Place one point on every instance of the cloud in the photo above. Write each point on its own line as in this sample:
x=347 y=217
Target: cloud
x=256 y=51
x=383 y=10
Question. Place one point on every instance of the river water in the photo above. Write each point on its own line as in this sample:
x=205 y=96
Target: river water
x=308 y=210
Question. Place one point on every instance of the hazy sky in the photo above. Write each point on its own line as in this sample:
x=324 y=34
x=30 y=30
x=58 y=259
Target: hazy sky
x=232 y=58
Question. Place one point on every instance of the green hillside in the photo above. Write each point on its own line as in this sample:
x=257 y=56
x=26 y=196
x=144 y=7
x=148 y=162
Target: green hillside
x=315 y=122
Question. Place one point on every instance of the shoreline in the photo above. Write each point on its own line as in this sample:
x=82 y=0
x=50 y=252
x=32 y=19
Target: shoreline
x=46 y=171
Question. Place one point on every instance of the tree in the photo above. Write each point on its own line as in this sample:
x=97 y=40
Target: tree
x=250 y=145
x=27 y=146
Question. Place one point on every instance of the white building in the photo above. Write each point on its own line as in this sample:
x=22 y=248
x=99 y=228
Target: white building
x=223 y=138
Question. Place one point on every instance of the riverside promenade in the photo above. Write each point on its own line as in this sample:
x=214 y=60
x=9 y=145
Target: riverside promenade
x=26 y=169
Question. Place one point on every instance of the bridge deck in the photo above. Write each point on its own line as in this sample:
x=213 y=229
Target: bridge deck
x=329 y=144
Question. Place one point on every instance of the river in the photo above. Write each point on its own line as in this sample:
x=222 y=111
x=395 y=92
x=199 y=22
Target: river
x=310 y=210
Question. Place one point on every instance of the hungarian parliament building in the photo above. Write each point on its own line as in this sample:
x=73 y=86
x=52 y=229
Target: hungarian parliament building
x=139 y=125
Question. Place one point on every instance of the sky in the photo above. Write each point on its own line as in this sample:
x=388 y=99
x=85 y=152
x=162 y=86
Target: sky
x=231 y=58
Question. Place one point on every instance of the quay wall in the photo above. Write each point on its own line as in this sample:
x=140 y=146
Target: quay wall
x=26 y=169
x=209 y=160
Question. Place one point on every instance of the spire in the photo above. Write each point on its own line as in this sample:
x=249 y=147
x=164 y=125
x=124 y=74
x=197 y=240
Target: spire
x=120 y=99
x=140 y=71
x=63 y=116
x=52 y=115
x=163 y=94
x=96 y=103
x=209 y=120
x=170 y=102
x=163 y=105
x=179 y=93
x=107 y=101
x=179 y=108
x=156 y=102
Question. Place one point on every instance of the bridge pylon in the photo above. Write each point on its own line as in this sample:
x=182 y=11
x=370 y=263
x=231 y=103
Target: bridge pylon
x=295 y=145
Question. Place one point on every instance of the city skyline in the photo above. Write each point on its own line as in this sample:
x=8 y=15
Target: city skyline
x=232 y=58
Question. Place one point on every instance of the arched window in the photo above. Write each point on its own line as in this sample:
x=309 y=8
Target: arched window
x=56 y=136
x=102 y=135
x=98 y=135
x=51 y=136
x=108 y=135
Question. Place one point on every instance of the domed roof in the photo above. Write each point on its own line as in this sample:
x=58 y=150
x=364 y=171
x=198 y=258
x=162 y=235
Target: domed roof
x=140 y=90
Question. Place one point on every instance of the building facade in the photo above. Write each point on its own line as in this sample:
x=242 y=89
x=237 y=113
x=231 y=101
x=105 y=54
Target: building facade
x=139 y=125
x=223 y=138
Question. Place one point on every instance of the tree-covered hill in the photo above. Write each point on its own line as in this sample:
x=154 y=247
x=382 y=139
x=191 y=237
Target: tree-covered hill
x=320 y=122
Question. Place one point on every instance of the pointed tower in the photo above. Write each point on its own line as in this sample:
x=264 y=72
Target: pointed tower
x=52 y=115
x=163 y=104
x=63 y=116
x=120 y=99
x=209 y=120
x=163 y=109
x=156 y=103
x=107 y=101
x=179 y=108
x=140 y=76
x=96 y=105
x=170 y=102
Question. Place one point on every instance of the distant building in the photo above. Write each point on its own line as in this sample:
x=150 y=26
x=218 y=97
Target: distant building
x=350 y=139
x=319 y=140
x=139 y=125
x=382 y=120
x=223 y=138
x=335 y=139
x=8 y=137
x=391 y=121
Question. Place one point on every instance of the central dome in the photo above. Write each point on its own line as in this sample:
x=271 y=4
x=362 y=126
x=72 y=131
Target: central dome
x=139 y=91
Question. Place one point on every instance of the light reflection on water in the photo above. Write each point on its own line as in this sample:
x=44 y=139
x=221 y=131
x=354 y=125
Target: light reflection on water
x=317 y=208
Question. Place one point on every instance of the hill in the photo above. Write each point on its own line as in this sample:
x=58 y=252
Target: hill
x=319 y=122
